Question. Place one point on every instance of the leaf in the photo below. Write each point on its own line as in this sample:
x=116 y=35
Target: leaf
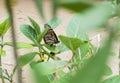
x=49 y=67
x=75 y=5
x=108 y=70
x=93 y=71
x=54 y=22
x=19 y=45
x=26 y=58
x=51 y=48
x=35 y=25
x=62 y=47
x=29 y=32
x=4 y=26
x=114 y=79
x=82 y=23
x=71 y=43
x=39 y=4
x=2 y=52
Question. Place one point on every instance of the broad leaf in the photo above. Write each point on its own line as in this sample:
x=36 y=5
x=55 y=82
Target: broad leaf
x=49 y=67
x=54 y=22
x=91 y=19
x=29 y=32
x=26 y=58
x=35 y=25
x=75 y=5
x=62 y=47
x=4 y=26
x=71 y=43
x=19 y=45
x=114 y=79
x=108 y=70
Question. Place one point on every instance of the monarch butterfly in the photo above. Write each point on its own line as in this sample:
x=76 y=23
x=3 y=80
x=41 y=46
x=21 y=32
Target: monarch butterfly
x=50 y=37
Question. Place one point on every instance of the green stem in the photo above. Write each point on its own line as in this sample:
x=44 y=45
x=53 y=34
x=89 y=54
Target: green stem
x=1 y=47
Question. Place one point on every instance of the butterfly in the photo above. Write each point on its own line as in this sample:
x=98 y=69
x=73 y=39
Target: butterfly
x=50 y=37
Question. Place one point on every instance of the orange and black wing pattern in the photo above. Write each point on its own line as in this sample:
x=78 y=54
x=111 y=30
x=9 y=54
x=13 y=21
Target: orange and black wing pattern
x=50 y=37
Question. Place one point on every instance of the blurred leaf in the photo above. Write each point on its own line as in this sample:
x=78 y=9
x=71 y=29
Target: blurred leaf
x=4 y=26
x=49 y=67
x=84 y=49
x=51 y=48
x=71 y=43
x=108 y=70
x=93 y=71
x=54 y=22
x=75 y=5
x=35 y=25
x=83 y=22
x=26 y=58
x=39 y=4
x=113 y=53
x=29 y=32
x=2 y=52
x=19 y=45
x=114 y=79
x=40 y=36
x=55 y=7
x=62 y=47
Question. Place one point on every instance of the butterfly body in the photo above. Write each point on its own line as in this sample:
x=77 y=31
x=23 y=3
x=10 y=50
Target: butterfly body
x=50 y=37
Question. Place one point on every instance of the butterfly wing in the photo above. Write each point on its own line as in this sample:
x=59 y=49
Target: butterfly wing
x=50 y=37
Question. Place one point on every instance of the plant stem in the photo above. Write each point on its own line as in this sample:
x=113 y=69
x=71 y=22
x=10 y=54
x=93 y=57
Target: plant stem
x=9 y=9
x=1 y=47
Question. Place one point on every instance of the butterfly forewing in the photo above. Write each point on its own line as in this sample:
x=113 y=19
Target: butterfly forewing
x=50 y=37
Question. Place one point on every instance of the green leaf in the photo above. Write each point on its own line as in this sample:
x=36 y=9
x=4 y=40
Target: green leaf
x=51 y=48
x=39 y=4
x=62 y=47
x=26 y=58
x=71 y=43
x=75 y=5
x=108 y=70
x=114 y=79
x=35 y=25
x=82 y=23
x=29 y=32
x=49 y=67
x=93 y=71
x=2 y=52
x=54 y=22
x=19 y=45
x=84 y=49
x=4 y=26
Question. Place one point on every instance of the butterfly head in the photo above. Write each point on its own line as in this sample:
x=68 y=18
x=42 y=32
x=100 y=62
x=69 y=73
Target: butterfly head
x=47 y=26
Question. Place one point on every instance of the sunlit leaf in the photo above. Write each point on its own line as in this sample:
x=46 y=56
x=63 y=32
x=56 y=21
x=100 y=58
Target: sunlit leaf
x=71 y=43
x=4 y=26
x=49 y=67
x=114 y=79
x=26 y=58
x=91 y=19
x=62 y=47
x=35 y=25
x=19 y=45
x=54 y=22
x=29 y=32
x=108 y=70
x=2 y=52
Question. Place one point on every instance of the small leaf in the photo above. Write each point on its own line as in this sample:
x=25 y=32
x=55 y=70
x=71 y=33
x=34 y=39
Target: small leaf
x=35 y=25
x=26 y=58
x=54 y=22
x=29 y=32
x=114 y=79
x=51 y=48
x=49 y=67
x=19 y=45
x=4 y=26
x=75 y=5
x=2 y=52
x=71 y=43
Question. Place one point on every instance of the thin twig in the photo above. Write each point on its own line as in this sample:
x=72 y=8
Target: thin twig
x=19 y=74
